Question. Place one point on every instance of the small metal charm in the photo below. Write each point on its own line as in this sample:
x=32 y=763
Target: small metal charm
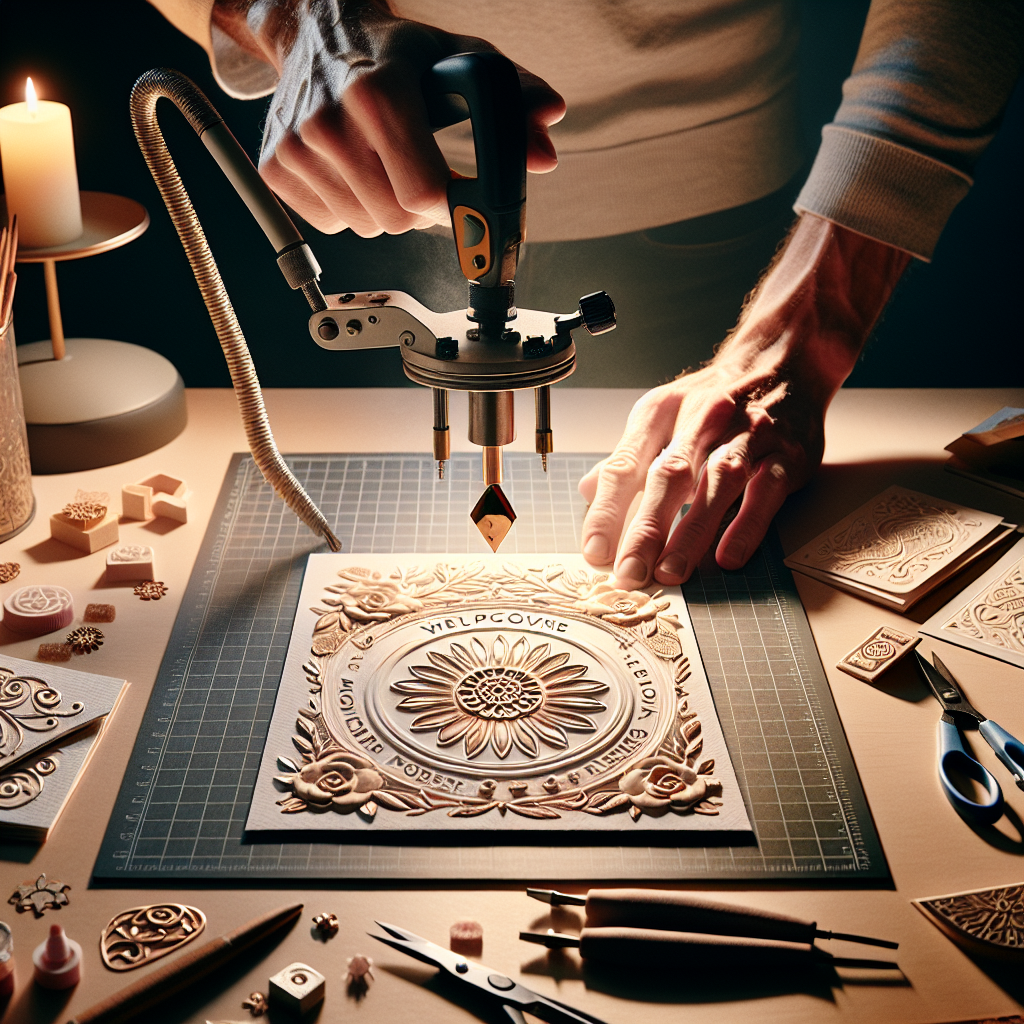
x=326 y=924
x=85 y=639
x=40 y=895
x=151 y=590
x=256 y=1004
x=9 y=571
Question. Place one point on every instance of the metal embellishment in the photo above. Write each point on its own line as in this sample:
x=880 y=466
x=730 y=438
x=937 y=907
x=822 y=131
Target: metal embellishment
x=255 y=1003
x=9 y=571
x=143 y=934
x=27 y=703
x=22 y=785
x=472 y=689
x=326 y=924
x=151 y=590
x=40 y=895
x=85 y=639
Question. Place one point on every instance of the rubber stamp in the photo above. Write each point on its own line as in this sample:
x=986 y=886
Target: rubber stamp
x=877 y=654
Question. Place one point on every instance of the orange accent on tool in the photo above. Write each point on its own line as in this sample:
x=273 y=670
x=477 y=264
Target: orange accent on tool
x=473 y=239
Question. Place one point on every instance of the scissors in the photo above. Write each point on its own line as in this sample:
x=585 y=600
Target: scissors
x=954 y=760
x=513 y=997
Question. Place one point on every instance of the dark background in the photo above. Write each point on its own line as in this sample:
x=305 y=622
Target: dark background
x=954 y=322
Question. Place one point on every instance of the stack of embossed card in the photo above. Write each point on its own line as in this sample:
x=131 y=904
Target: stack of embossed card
x=898 y=547
x=50 y=720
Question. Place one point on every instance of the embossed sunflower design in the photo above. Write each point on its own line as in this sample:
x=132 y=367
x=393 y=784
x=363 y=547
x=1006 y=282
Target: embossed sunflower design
x=511 y=695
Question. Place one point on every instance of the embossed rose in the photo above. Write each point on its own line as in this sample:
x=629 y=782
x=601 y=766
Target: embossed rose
x=624 y=608
x=659 y=784
x=375 y=601
x=339 y=781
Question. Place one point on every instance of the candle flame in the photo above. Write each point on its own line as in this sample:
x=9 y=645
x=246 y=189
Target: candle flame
x=31 y=99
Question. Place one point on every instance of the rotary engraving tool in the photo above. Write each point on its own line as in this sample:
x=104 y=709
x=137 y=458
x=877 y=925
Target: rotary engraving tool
x=488 y=350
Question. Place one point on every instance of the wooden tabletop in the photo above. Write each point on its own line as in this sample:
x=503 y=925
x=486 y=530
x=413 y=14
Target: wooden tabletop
x=875 y=438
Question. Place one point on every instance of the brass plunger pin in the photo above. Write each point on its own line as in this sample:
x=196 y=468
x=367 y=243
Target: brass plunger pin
x=545 y=441
x=493 y=465
x=442 y=435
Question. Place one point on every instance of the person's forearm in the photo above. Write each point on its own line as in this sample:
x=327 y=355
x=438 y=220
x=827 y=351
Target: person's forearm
x=815 y=308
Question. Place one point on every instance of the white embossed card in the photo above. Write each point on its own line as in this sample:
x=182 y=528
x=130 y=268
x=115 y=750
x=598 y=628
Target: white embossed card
x=457 y=693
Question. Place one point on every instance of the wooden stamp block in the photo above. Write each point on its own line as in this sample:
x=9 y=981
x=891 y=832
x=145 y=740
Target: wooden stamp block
x=877 y=654
x=137 y=501
x=171 y=507
x=130 y=562
x=297 y=989
x=161 y=483
x=68 y=531
x=167 y=496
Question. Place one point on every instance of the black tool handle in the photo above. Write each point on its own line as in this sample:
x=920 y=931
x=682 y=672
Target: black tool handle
x=654 y=948
x=488 y=83
x=685 y=912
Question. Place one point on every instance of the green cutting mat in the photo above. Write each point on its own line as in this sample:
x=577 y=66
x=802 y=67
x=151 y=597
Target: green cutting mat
x=186 y=791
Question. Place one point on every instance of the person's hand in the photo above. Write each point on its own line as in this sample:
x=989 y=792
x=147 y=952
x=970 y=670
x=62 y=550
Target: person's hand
x=348 y=142
x=750 y=425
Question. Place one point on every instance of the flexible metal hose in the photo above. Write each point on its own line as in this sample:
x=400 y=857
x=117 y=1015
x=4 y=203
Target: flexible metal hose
x=200 y=113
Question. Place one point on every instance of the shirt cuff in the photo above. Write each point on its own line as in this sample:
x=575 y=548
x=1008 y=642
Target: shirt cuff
x=238 y=72
x=881 y=189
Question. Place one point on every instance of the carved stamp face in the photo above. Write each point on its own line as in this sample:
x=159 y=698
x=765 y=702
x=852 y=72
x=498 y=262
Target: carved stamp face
x=514 y=696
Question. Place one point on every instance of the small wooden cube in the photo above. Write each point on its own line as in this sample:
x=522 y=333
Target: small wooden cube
x=54 y=652
x=99 y=613
x=171 y=507
x=168 y=496
x=137 y=501
x=161 y=483
x=297 y=989
x=99 y=536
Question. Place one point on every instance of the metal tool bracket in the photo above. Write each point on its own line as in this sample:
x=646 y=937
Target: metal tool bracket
x=444 y=350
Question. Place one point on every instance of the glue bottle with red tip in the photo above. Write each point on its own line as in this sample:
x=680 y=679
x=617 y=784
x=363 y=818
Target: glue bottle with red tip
x=6 y=961
x=58 y=960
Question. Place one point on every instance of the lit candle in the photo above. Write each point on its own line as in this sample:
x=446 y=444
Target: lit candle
x=37 y=150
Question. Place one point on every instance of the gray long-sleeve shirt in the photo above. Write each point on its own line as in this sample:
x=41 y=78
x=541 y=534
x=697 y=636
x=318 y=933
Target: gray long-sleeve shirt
x=681 y=109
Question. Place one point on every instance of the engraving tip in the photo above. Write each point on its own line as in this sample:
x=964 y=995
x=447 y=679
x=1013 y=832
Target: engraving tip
x=544 y=461
x=440 y=469
x=493 y=516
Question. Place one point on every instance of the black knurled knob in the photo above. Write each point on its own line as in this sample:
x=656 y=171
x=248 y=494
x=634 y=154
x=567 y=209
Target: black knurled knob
x=598 y=312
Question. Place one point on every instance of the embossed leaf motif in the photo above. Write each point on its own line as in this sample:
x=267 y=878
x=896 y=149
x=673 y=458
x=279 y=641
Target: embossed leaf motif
x=143 y=934
x=509 y=696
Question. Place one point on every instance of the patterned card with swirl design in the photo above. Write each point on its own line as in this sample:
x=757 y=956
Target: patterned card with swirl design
x=990 y=617
x=41 y=704
x=50 y=721
x=899 y=546
x=464 y=694
x=35 y=791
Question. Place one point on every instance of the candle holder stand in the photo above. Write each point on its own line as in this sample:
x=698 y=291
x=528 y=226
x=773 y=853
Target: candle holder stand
x=93 y=402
